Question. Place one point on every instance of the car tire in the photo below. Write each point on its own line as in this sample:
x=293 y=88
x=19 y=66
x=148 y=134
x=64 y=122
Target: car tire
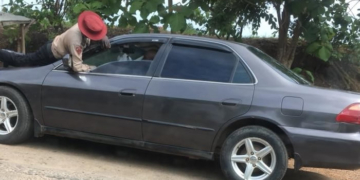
x=21 y=126
x=248 y=149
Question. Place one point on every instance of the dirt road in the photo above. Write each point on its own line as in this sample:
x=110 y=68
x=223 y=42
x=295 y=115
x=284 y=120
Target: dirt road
x=62 y=158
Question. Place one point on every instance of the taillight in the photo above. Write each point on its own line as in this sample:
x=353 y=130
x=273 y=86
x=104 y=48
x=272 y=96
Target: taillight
x=351 y=114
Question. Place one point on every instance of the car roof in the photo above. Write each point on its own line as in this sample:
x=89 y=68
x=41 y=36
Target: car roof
x=158 y=35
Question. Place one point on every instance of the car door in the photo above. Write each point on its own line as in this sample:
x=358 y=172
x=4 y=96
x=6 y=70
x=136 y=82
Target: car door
x=199 y=87
x=109 y=99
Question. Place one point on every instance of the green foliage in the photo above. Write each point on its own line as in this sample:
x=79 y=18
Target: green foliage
x=311 y=15
x=155 y=19
x=123 y=22
x=322 y=51
x=190 y=30
x=141 y=27
x=305 y=74
x=326 y=30
x=227 y=19
x=136 y=5
x=310 y=75
x=297 y=70
x=106 y=9
x=177 y=22
x=151 y=12
x=12 y=34
x=347 y=33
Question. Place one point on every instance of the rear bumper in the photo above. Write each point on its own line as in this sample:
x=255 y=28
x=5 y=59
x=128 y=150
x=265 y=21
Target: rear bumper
x=324 y=149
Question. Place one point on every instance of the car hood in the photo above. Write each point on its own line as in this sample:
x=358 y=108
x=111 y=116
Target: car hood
x=24 y=74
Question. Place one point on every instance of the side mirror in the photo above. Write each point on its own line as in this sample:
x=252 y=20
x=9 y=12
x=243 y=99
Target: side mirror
x=67 y=63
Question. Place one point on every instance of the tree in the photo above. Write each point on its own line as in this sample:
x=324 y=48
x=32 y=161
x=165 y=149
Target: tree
x=228 y=18
x=190 y=30
x=152 y=12
x=319 y=22
x=323 y=24
x=307 y=16
x=108 y=9
x=315 y=21
x=52 y=13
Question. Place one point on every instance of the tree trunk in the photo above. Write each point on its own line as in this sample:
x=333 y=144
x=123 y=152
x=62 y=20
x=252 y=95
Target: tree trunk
x=228 y=36
x=284 y=23
x=170 y=3
x=291 y=50
x=241 y=32
x=217 y=36
x=286 y=53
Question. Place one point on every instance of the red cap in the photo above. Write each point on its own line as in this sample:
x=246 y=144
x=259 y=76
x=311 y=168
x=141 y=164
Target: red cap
x=91 y=25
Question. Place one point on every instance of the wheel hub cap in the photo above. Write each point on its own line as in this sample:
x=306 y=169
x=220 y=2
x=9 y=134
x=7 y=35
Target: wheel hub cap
x=253 y=159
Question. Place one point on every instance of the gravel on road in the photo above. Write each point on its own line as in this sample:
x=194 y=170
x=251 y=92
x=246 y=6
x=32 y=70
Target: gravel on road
x=55 y=158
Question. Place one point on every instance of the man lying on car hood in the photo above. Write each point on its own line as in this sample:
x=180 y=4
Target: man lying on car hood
x=89 y=27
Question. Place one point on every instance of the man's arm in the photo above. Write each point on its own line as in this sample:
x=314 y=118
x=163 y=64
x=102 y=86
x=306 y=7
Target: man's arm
x=76 y=58
x=106 y=42
x=76 y=51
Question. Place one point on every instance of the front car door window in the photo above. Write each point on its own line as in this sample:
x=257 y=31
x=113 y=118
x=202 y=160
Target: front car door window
x=134 y=58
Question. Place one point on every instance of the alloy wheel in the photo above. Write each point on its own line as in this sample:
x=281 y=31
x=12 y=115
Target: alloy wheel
x=253 y=159
x=8 y=115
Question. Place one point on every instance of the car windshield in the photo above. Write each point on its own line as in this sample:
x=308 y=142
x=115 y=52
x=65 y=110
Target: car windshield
x=281 y=69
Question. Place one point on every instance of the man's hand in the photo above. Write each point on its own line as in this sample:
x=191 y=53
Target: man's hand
x=88 y=68
x=106 y=42
x=92 y=67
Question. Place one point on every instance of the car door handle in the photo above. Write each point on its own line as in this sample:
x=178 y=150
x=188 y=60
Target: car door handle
x=128 y=92
x=231 y=102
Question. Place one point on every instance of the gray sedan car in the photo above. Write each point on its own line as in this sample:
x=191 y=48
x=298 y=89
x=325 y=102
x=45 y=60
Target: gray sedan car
x=189 y=96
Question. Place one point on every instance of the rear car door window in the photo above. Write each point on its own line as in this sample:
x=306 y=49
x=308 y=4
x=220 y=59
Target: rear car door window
x=195 y=63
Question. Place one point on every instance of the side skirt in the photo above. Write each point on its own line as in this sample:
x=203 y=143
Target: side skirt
x=191 y=153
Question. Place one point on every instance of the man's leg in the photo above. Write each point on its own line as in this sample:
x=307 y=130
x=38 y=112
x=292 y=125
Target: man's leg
x=39 y=58
x=12 y=58
x=43 y=56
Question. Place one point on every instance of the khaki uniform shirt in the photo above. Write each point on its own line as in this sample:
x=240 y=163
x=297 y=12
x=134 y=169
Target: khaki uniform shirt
x=71 y=42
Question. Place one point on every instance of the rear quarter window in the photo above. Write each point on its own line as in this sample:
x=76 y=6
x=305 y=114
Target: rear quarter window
x=241 y=75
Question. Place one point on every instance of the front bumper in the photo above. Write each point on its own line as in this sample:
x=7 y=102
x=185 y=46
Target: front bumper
x=325 y=149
